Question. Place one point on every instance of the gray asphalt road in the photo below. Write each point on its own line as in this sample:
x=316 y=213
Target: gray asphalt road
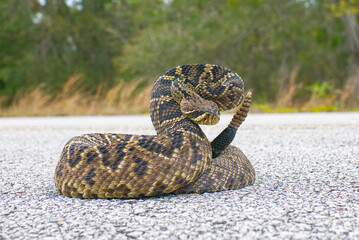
x=307 y=184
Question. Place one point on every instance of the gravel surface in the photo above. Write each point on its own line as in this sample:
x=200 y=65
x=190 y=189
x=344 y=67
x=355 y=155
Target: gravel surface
x=307 y=184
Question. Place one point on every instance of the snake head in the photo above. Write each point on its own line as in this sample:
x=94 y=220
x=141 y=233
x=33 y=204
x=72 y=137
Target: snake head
x=200 y=111
x=192 y=105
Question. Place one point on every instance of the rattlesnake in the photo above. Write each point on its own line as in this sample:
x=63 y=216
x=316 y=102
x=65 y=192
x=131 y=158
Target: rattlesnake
x=180 y=158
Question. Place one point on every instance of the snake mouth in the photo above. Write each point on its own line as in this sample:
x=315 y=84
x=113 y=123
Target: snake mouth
x=207 y=119
x=207 y=115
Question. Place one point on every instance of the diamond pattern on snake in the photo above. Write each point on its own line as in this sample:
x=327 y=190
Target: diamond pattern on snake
x=180 y=158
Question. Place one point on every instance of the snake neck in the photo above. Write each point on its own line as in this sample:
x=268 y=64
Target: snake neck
x=166 y=114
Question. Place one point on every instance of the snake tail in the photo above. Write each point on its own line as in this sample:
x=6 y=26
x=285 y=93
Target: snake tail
x=242 y=113
x=225 y=138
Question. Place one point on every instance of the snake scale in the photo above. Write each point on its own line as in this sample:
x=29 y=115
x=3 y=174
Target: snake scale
x=180 y=158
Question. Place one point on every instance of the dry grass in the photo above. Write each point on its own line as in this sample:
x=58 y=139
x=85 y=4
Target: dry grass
x=349 y=96
x=120 y=99
x=323 y=95
x=288 y=89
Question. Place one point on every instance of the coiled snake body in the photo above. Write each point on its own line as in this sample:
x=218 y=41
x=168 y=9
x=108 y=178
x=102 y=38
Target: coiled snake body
x=179 y=158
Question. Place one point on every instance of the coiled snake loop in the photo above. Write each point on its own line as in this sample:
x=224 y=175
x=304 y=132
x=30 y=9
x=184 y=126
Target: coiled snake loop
x=179 y=158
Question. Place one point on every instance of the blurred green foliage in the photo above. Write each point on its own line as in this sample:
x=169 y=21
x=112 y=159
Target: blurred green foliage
x=110 y=41
x=322 y=90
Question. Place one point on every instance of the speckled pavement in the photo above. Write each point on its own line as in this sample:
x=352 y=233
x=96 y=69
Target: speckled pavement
x=307 y=185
